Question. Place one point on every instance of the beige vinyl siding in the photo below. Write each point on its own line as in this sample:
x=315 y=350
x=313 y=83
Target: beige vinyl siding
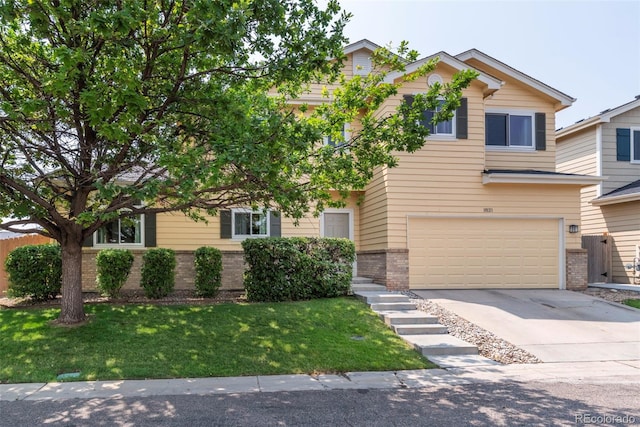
x=619 y=173
x=623 y=224
x=373 y=213
x=177 y=231
x=515 y=96
x=577 y=153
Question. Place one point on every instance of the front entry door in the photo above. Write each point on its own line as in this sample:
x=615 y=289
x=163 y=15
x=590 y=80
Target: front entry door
x=338 y=223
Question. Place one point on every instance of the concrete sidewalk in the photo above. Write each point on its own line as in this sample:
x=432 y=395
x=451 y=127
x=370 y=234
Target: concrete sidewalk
x=612 y=372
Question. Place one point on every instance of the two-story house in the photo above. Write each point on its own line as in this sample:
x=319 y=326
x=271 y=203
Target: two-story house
x=608 y=145
x=479 y=206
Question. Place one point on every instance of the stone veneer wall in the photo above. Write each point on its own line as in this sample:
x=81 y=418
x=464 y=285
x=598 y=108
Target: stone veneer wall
x=577 y=276
x=232 y=270
x=389 y=267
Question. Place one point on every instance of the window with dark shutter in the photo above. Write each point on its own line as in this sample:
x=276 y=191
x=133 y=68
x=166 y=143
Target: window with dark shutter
x=446 y=128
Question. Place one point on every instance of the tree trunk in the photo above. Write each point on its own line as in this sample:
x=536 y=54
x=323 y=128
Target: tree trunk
x=72 y=309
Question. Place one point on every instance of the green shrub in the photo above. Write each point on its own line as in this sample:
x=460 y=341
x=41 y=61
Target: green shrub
x=35 y=271
x=208 y=265
x=113 y=268
x=282 y=269
x=158 y=272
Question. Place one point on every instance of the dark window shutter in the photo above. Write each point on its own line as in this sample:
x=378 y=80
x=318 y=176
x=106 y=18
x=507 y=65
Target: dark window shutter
x=541 y=131
x=225 y=224
x=150 y=230
x=427 y=117
x=623 y=145
x=88 y=241
x=275 y=224
x=408 y=99
x=462 y=116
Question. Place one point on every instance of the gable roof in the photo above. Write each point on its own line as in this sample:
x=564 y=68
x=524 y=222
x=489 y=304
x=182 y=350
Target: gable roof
x=563 y=99
x=362 y=44
x=604 y=117
x=491 y=82
x=626 y=193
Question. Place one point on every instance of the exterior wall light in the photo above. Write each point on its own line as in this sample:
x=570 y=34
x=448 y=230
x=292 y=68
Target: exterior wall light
x=573 y=228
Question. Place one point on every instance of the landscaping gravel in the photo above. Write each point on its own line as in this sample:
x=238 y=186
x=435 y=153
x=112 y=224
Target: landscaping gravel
x=489 y=345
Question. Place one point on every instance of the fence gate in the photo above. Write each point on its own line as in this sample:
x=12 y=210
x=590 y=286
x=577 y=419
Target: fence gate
x=599 y=250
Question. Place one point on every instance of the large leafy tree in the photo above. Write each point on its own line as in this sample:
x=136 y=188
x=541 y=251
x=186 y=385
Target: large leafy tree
x=187 y=106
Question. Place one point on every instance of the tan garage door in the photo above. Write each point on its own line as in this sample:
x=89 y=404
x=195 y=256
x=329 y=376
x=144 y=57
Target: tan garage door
x=483 y=253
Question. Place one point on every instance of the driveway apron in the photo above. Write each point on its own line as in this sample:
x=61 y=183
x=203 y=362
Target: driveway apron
x=553 y=325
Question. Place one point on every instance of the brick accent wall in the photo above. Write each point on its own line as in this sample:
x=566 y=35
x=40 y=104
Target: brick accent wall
x=232 y=270
x=577 y=260
x=389 y=267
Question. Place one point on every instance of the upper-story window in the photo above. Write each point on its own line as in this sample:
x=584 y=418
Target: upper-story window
x=456 y=128
x=126 y=231
x=361 y=63
x=628 y=145
x=509 y=129
x=443 y=128
x=248 y=223
x=345 y=136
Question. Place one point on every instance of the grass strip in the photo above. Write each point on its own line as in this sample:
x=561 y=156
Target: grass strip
x=149 y=341
x=632 y=303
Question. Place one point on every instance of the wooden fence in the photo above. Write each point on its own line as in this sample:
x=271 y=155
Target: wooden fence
x=7 y=245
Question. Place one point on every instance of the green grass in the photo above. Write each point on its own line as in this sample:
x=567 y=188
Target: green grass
x=147 y=341
x=632 y=303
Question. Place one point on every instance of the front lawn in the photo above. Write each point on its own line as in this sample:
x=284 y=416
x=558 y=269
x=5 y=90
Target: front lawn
x=632 y=303
x=148 y=341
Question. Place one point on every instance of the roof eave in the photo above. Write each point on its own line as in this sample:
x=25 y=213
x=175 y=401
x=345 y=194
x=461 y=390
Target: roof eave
x=361 y=44
x=635 y=197
x=563 y=99
x=604 y=117
x=491 y=82
x=524 y=178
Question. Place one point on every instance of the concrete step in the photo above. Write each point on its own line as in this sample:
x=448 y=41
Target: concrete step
x=440 y=344
x=394 y=306
x=361 y=280
x=378 y=297
x=424 y=329
x=412 y=317
x=366 y=287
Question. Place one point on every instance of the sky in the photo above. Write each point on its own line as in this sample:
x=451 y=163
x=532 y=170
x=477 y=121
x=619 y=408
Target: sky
x=589 y=50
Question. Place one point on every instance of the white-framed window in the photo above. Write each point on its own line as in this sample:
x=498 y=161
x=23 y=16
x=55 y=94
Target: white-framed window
x=345 y=137
x=249 y=223
x=510 y=129
x=635 y=145
x=128 y=231
x=447 y=128
x=361 y=63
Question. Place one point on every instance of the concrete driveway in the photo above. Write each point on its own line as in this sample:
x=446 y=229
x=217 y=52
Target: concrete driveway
x=554 y=325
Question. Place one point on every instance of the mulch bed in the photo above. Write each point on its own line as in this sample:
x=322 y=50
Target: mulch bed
x=132 y=297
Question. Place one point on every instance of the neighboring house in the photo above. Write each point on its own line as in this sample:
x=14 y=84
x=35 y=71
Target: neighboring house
x=608 y=145
x=480 y=206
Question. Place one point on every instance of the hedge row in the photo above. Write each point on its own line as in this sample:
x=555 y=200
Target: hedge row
x=36 y=271
x=289 y=269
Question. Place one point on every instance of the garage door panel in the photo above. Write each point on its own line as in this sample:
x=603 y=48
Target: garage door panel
x=483 y=253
